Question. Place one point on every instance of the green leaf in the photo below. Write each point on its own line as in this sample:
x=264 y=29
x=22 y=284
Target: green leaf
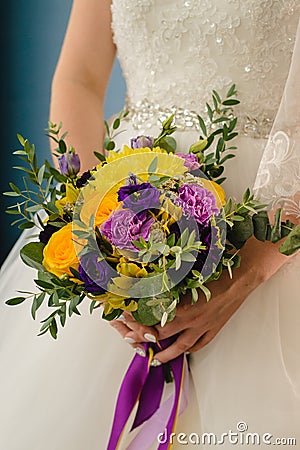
x=62 y=146
x=11 y=194
x=292 y=243
x=23 y=169
x=261 y=223
x=63 y=315
x=92 y=306
x=21 y=139
x=237 y=218
x=231 y=136
x=43 y=284
x=32 y=255
x=113 y=315
x=73 y=306
x=41 y=174
x=153 y=166
x=232 y=124
x=240 y=232
x=26 y=225
x=215 y=102
x=15 y=188
x=231 y=91
x=202 y=125
x=15 y=301
x=230 y=102
x=100 y=156
x=217 y=96
x=209 y=111
x=195 y=295
x=206 y=291
x=188 y=257
x=183 y=238
x=276 y=228
x=110 y=146
x=116 y=124
x=168 y=143
x=53 y=328
x=37 y=302
x=33 y=208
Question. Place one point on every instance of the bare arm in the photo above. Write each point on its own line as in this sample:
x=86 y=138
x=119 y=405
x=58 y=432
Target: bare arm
x=81 y=77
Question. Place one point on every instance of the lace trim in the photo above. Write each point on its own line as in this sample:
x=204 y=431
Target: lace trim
x=146 y=114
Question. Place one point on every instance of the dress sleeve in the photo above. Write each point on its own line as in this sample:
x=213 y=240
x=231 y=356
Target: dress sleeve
x=278 y=178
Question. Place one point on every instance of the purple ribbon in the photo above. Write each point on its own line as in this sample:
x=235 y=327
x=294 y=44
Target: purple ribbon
x=144 y=384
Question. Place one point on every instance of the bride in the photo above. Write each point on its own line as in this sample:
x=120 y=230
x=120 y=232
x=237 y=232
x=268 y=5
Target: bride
x=244 y=343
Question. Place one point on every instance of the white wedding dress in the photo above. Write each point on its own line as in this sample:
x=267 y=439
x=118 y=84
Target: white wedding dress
x=61 y=395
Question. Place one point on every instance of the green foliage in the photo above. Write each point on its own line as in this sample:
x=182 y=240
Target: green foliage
x=217 y=131
x=292 y=242
x=154 y=310
x=112 y=133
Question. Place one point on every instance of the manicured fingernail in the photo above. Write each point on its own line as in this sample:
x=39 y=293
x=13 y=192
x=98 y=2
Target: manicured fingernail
x=129 y=340
x=155 y=363
x=150 y=337
x=140 y=351
x=121 y=319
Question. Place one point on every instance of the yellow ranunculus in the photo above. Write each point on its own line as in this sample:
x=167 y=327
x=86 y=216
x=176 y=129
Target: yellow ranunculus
x=70 y=198
x=130 y=269
x=59 y=253
x=217 y=190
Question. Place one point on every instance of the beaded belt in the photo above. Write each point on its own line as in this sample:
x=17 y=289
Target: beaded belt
x=147 y=114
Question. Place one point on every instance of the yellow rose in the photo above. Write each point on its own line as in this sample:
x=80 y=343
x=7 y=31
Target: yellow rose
x=59 y=253
x=130 y=269
x=108 y=204
x=217 y=190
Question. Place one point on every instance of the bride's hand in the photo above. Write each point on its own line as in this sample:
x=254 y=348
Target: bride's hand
x=198 y=324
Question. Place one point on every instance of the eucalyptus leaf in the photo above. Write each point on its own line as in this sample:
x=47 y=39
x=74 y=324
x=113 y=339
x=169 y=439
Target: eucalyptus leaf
x=15 y=301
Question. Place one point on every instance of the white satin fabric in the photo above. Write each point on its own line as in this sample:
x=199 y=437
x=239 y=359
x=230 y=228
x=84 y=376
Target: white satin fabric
x=60 y=395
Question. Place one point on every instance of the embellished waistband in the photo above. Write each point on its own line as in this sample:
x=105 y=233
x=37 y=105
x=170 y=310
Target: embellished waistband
x=145 y=114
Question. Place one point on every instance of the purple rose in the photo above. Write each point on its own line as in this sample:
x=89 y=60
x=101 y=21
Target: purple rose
x=69 y=164
x=142 y=141
x=123 y=226
x=198 y=202
x=139 y=197
x=94 y=273
x=190 y=161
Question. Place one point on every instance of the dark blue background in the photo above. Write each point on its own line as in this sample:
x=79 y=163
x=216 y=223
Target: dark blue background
x=32 y=32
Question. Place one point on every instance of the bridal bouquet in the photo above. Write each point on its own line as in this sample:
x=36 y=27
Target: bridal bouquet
x=142 y=227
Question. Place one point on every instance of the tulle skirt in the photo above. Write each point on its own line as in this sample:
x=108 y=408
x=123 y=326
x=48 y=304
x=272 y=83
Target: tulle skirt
x=60 y=395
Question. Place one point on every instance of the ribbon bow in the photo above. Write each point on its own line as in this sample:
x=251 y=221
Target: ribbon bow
x=144 y=384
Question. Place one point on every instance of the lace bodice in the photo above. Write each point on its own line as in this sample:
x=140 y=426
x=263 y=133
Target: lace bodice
x=174 y=52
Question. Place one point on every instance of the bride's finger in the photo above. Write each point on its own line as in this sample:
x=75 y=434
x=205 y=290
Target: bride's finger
x=121 y=327
x=141 y=333
x=182 y=344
